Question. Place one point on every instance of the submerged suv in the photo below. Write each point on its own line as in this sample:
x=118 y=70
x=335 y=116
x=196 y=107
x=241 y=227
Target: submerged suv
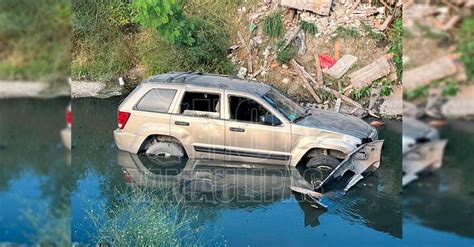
x=218 y=117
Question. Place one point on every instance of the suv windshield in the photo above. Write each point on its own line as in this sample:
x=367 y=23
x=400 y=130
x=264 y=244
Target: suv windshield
x=291 y=110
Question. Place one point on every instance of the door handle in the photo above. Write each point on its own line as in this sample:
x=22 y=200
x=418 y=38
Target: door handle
x=181 y=123
x=236 y=129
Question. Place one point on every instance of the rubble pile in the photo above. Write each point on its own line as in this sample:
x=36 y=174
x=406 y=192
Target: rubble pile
x=327 y=75
x=432 y=63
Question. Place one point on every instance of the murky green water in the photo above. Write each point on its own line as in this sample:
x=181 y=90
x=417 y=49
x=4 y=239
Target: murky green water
x=226 y=203
x=438 y=208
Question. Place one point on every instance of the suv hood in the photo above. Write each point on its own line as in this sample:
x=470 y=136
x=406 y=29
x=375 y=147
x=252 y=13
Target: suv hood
x=337 y=122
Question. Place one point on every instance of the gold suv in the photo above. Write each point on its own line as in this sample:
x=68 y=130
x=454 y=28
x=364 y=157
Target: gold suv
x=218 y=117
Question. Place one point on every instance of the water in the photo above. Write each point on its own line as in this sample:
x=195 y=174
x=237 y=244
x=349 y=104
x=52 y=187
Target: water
x=230 y=205
x=34 y=172
x=439 y=208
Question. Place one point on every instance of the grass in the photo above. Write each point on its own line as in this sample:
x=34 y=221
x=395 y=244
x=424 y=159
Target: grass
x=465 y=39
x=308 y=27
x=344 y=32
x=273 y=24
x=109 y=43
x=361 y=93
x=145 y=217
x=286 y=54
x=34 y=40
x=417 y=93
x=395 y=38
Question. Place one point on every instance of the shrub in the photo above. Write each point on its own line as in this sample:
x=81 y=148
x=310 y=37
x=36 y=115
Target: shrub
x=308 y=27
x=286 y=54
x=273 y=24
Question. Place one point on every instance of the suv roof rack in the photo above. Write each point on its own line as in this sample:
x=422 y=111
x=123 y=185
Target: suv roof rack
x=180 y=75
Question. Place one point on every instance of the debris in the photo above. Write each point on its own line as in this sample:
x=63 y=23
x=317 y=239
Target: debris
x=376 y=123
x=436 y=70
x=305 y=81
x=391 y=105
x=242 y=73
x=291 y=35
x=461 y=105
x=249 y=52
x=313 y=196
x=376 y=70
x=450 y=24
x=341 y=66
x=326 y=89
x=366 y=158
x=338 y=105
x=326 y=61
x=285 y=81
x=319 y=72
x=300 y=43
x=256 y=73
x=321 y=7
x=385 y=24
x=426 y=157
x=434 y=103
x=284 y=66
x=411 y=110
x=233 y=48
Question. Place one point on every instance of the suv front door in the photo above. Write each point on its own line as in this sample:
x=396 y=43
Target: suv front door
x=198 y=123
x=253 y=133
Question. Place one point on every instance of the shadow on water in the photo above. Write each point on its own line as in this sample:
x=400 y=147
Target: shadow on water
x=34 y=175
x=235 y=203
x=440 y=205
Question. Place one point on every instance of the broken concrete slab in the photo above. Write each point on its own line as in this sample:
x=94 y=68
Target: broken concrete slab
x=390 y=106
x=81 y=89
x=377 y=69
x=461 y=105
x=342 y=66
x=436 y=70
x=321 y=7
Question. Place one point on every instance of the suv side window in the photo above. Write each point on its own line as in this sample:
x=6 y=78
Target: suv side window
x=156 y=100
x=197 y=104
x=248 y=110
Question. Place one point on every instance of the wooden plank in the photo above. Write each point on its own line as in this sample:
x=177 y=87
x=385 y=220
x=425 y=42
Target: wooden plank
x=379 y=68
x=321 y=7
x=308 y=86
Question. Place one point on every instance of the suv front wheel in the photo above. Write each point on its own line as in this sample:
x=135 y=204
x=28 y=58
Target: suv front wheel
x=319 y=167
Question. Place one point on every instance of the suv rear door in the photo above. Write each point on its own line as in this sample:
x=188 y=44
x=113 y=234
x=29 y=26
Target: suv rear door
x=198 y=124
x=250 y=139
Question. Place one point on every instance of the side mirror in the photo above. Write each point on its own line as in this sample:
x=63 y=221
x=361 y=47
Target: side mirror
x=270 y=119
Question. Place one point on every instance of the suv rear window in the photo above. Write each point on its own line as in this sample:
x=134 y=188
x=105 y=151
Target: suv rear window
x=157 y=100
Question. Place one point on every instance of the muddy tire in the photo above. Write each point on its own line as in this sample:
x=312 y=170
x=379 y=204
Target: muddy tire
x=323 y=162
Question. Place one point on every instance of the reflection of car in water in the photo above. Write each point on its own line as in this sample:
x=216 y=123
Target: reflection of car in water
x=422 y=149
x=66 y=132
x=218 y=183
x=218 y=117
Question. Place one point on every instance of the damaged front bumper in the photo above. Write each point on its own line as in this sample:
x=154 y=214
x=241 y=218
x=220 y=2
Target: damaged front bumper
x=361 y=161
x=426 y=157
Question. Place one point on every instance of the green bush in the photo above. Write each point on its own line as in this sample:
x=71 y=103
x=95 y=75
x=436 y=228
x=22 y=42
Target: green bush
x=273 y=24
x=35 y=40
x=361 y=93
x=395 y=37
